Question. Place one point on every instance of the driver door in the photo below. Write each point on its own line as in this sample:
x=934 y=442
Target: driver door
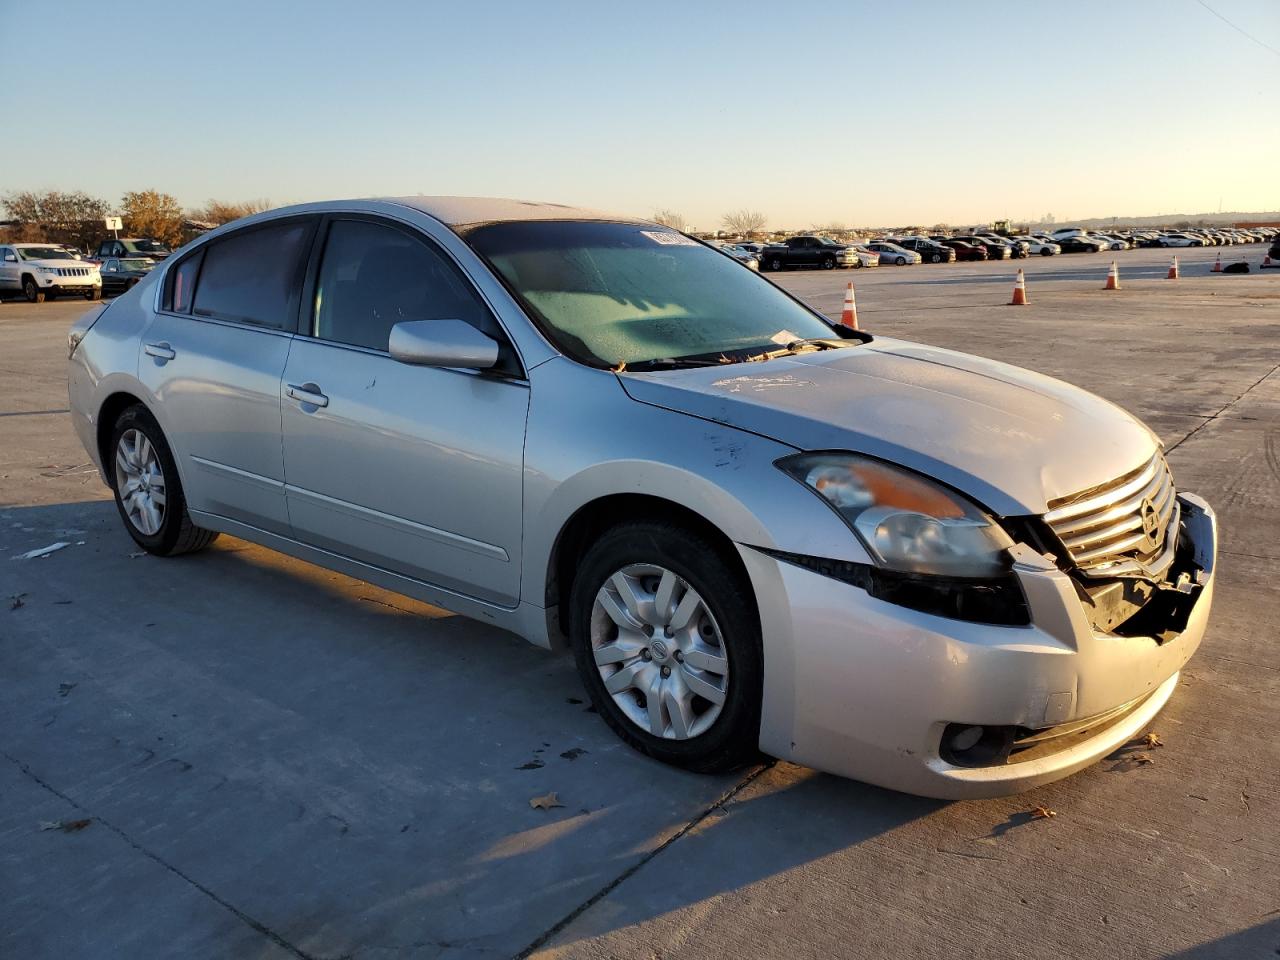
x=412 y=469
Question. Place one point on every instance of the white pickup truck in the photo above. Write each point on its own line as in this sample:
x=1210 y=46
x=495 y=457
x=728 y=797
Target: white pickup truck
x=43 y=271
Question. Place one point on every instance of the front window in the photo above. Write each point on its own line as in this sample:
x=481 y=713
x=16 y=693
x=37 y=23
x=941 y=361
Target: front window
x=43 y=253
x=611 y=293
x=138 y=263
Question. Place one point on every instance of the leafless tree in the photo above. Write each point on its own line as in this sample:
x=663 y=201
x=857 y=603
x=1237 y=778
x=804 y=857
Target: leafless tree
x=744 y=222
x=219 y=212
x=669 y=218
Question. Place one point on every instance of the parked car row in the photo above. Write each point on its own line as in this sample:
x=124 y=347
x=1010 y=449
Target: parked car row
x=46 y=271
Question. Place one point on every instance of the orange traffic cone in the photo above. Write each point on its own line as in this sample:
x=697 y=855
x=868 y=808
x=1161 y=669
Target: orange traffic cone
x=1173 y=269
x=849 y=315
x=1217 y=265
x=1113 y=278
x=1019 y=291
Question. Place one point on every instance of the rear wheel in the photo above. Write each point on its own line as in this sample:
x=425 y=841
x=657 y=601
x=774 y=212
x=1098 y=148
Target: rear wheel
x=32 y=291
x=667 y=642
x=775 y=264
x=148 y=492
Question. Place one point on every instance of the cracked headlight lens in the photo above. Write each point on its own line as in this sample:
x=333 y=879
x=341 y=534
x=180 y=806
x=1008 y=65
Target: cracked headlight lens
x=907 y=522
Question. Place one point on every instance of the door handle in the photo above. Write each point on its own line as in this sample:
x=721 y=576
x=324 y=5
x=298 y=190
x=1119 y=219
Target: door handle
x=306 y=393
x=161 y=350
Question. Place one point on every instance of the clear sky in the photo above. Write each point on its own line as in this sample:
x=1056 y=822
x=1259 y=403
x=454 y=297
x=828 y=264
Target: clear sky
x=811 y=112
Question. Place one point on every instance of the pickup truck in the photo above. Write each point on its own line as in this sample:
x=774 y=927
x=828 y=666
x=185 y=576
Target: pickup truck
x=808 y=251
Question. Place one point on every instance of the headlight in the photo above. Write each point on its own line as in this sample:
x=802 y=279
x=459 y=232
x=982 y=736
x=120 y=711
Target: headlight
x=907 y=522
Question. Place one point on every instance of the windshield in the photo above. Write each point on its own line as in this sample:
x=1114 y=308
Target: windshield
x=611 y=293
x=44 y=253
x=145 y=246
x=141 y=263
x=828 y=242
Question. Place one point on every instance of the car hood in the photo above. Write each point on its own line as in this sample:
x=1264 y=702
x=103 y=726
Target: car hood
x=60 y=263
x=1011 y=439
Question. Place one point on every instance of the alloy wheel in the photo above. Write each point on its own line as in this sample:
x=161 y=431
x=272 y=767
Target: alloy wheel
x=140 y=482
x=659 y=652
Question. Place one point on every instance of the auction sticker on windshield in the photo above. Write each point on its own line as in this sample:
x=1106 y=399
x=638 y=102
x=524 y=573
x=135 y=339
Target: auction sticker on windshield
x=669 y=239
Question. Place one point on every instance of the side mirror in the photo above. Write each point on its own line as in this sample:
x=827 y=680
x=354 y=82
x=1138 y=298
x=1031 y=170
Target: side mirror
x=442 y=343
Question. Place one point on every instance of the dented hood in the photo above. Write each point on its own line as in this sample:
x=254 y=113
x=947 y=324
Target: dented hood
x=1011 y=439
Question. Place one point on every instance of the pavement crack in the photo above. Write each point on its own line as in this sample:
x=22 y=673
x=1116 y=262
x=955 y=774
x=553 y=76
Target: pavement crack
x=256 y=925
x=1227 y=406
x=625 y=875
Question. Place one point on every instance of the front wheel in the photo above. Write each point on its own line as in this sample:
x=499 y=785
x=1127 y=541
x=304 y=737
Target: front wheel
x=1046 y=252
x=936 y=258
x=148 y=491
x=31 y=290
x=667 y=641
x=93 y=293
x=901 y=261
x=828 y=263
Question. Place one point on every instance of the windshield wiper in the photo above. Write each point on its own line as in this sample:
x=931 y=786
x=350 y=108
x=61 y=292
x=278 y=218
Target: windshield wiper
x=669 y=363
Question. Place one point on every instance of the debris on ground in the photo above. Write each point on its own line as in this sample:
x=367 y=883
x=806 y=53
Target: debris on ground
x=66 y=826
x=16 y=601
x=545 y=802
x=531 y=765
x=573 y=754
x=1043 y=813
x=1142 y=758
x=142 y=553
x=65 y=688
x=1152 y=739
x=42 y=551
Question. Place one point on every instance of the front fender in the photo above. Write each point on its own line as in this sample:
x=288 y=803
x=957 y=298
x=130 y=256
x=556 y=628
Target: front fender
x=588 y=439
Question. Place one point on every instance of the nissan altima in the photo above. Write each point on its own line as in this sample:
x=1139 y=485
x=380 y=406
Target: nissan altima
x=757 y=531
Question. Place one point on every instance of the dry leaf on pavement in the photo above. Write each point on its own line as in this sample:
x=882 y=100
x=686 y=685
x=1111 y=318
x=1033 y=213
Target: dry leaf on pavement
x=1152 y=739
x=545 y=802
x=1043 y=813
x=1141 y=758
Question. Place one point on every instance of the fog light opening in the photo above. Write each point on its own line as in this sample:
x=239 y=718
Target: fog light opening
x=971 y=745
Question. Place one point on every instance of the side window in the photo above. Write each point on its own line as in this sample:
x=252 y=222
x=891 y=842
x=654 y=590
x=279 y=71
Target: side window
x=372 y=276
x=181 y=283
x=252 y=276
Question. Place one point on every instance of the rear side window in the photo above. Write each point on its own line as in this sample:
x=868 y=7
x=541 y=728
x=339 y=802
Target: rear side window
x=253 y=276
x=182 y=283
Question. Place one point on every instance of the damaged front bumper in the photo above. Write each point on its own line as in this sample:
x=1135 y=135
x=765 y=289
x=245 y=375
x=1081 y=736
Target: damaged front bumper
x=864 y=688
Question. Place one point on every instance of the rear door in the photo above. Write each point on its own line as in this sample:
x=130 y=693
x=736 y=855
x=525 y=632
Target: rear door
x=412 y=469
x=213 y=359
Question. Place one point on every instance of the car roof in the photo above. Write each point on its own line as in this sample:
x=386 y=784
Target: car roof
x=464 y=211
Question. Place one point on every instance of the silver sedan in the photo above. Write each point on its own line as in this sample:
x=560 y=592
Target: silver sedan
x=757 y=531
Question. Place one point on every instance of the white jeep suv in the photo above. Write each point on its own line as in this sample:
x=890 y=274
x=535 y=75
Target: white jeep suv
x=43 y=271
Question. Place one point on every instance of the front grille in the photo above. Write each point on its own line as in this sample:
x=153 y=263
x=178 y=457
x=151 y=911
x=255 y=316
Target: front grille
x=1121 y=526
x=73 y=271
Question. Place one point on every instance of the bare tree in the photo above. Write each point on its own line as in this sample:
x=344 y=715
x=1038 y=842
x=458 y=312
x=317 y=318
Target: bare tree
x=219 y=212
x=744 y=222
x=831 y=226
x=669 y=218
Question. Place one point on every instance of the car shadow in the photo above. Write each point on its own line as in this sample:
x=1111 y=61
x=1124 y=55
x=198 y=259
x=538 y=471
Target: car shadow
x=346 y=766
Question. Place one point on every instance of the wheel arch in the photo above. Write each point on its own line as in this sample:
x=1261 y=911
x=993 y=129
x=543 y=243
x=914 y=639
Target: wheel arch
x=114 y=405
x=593 y=519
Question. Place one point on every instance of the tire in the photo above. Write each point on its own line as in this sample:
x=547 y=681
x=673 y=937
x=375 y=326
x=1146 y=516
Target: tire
x=174 y=532
x=1046 y=252
x=935 y=258
x=93 y=293
x=730 y=731
x=901 y=261
x=31 y=291
x=828 y=263
x=857 y=263
x=775 y=264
